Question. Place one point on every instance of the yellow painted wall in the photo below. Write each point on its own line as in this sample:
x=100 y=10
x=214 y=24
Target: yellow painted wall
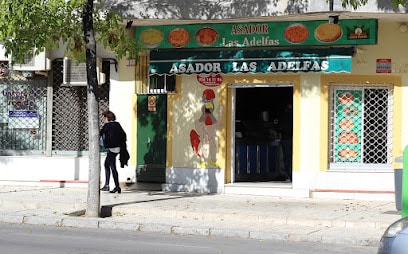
x=309 y=153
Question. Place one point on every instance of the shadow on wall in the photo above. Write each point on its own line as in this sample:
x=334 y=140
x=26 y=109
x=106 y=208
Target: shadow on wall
x=219 y=9
x=387 y=5
x=205 y=9
x=185 y=113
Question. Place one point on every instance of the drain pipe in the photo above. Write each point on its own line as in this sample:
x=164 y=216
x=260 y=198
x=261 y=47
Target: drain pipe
x=404 y=195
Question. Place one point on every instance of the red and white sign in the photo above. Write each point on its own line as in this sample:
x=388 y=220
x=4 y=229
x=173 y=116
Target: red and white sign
x=210 y=80
x=151 y=103
x=383 y=66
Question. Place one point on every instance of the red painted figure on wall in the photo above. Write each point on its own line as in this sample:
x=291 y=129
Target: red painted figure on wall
x=205 y=132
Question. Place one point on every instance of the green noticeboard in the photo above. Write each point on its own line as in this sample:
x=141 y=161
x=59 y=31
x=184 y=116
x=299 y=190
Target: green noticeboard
x=259 y=34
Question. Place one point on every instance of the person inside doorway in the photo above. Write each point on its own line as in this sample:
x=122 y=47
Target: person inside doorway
x=286 y=124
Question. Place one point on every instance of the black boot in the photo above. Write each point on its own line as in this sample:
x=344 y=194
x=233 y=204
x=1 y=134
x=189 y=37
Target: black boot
x=117 y=189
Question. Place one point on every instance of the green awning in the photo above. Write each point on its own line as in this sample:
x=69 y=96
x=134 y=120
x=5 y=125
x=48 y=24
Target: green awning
x=251 y=61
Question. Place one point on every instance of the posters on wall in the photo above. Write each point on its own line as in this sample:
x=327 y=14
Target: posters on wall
x=348 y=126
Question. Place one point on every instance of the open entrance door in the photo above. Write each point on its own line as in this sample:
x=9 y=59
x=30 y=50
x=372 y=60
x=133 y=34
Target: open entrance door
x=151 y=138
x=263 y=132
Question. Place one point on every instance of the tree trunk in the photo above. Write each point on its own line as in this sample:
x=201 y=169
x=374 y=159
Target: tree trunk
x=93 y=199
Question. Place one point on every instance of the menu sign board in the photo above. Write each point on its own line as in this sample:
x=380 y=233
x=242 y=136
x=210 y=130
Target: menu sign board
x=259 y=34
x=348 y=126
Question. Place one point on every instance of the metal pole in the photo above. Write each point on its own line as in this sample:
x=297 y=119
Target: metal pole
x=404 y=194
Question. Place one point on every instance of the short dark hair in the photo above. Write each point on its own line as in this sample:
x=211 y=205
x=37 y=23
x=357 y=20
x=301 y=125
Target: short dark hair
x=110 y=115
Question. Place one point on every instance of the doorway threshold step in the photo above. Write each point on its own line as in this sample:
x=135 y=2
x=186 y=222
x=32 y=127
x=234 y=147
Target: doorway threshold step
x=276 y=189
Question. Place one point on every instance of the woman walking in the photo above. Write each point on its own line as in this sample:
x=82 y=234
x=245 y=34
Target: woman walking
x=114 y=139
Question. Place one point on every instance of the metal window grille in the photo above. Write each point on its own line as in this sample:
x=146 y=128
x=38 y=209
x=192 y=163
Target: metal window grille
x=162 y=83
x=4 y=69
x=23 y=113
x=70 y=111
x=360 y=126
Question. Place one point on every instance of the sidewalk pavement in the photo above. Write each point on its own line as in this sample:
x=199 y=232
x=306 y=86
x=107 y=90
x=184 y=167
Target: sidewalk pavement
x=350 y=222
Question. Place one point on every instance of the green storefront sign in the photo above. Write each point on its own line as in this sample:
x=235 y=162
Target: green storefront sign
x=259 y=34
x=250 y=61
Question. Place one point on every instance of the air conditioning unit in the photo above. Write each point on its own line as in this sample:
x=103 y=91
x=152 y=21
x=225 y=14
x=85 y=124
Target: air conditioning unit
x=74 y=73
x=34 y=62
x=3 y=56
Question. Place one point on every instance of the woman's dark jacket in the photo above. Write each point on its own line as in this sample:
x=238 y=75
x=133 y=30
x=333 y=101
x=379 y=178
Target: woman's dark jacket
x=113 y=135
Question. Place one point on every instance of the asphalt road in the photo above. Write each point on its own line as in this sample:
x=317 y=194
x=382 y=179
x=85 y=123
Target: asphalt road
x=33 y=239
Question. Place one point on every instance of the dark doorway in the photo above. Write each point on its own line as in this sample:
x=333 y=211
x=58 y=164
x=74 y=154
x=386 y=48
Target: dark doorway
x=263 y=125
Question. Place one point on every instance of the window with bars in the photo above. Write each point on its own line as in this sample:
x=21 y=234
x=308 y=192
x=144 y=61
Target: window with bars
x=23 y=115
x=4 y=68
x=70 y=111
x=23 y=112
x=360 y=126
x=162 y=83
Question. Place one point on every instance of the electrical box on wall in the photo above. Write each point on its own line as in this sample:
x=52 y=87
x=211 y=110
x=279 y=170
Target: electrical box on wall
x=74 y=73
